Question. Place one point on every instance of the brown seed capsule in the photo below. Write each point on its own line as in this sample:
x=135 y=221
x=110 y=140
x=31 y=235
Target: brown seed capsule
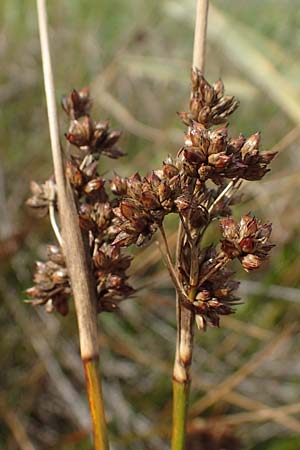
x=209 y=94
x=219 y=160
x=219 y=88
x=60 y=276
x=94 y=185
x=81 y=132
x=229 y=228
x=251 y=144
x=112 y=138
x=118 y=185
x=55 y=254
x=249 y=238
x=251 y=262
x=204 y=115
x=100 y=259
x=77 y=103
x=43 y=196
x=85 y=217
x=129 y=209
x=218 y=141
x=149 y=200
x=203 y=296
x=248 y=225
x=170 y=171
x=192 y=157
x=247 y=245
x=164 y=192
x=74 y=174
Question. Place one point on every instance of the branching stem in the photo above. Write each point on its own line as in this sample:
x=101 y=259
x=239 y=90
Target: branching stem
x=170 y=266
x=213 y=270
x=222 y=194
x=185 y=317
x=54 y=223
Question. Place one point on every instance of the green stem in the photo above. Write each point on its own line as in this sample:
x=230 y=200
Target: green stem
x=180 y=409
x=94 y=390
x=185 y=317
x=181 y=375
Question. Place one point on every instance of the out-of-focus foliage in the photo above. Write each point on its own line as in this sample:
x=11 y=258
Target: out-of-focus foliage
x=136 y=57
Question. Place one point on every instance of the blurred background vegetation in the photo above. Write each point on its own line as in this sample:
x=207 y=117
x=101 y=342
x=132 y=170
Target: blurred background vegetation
x=136 y=56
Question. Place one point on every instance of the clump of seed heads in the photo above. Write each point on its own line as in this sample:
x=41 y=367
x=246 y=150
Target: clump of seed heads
x=200 y=185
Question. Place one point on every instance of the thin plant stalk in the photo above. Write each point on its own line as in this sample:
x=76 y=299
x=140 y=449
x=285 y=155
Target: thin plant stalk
x=74 y=246
x=185 y=317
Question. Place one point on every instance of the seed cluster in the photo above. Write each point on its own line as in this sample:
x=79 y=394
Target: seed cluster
x=196 y=186
x=42 y=196
x=247 y=240
x=199 y=185
x=89 y=140
x=52 y=287
x=146 y=201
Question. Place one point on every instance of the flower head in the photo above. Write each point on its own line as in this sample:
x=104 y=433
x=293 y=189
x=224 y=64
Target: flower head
x=208 y=105
x=52 y=285
x=247 y=240
x=42 y=196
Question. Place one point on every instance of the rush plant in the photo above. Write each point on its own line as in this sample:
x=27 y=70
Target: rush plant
x=99 y=216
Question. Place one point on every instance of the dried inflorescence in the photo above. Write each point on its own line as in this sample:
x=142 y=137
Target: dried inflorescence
x=199 y=185
x=111 y=279
x=214 y=289
x=211 y=154
x=52 y=287
x=93 y=137
x=95 y=210
x=247 y=240
x=147 y=200
x=77 y=103
x=208 y=104
x=43 y=195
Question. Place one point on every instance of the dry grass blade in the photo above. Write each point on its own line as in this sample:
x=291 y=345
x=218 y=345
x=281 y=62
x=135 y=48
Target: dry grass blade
x=77 y=410
x=287 y=140
x=248 y=58
x=127 y=120
x=265 y=414
x=247 y=328
x=244 y=371
x=274 y=291
x=280 y=415
x=146 y=67
x=16 y=426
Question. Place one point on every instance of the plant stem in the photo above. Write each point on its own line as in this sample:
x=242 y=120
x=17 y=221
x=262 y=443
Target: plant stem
x=225 y=191
x=200 y=34
x=94 y=390
x=168 y=259
x=213 y=270
x=74 y=248
x=180 y=409
x=185 y=317
x=181 y=375
x=54 y=223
